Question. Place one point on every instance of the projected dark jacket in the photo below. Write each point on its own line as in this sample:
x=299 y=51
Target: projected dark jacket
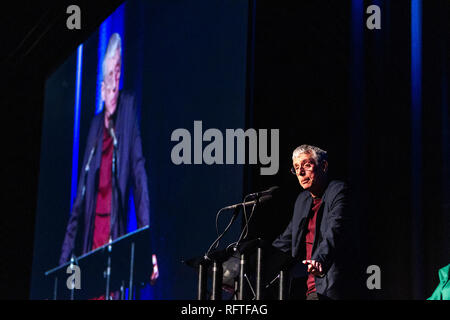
x=331 y=246
x=130 y=169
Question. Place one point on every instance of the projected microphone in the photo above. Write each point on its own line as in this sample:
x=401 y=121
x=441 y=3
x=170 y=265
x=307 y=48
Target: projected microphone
x=86 y=170
x=114 y=174
x=90 y=158
x=247 y=203
x=112 y=133
x=260 y=194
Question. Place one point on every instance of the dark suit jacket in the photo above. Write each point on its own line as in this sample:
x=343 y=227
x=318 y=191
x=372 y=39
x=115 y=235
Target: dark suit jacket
x=130 y=167
x=331 y=243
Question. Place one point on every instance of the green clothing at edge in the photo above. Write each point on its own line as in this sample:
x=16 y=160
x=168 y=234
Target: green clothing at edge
x=442 y=291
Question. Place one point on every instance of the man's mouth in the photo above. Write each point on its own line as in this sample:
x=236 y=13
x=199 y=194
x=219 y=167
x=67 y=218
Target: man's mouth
x=305 y=181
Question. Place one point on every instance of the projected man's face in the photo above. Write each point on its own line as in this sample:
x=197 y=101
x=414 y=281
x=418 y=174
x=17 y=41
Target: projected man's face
x=110 y=84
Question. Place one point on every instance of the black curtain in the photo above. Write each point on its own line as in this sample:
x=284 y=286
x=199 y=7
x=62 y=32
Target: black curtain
x=323 y=82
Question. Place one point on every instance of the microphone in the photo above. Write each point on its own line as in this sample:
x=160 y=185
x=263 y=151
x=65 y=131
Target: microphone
x=90 y=158
x=114 y=176
x=112 y=133
x=260 y=194
x=86 y=169
x=247 y=203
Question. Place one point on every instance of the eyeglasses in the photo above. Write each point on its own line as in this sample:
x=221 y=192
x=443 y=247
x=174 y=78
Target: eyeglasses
x=308 y=166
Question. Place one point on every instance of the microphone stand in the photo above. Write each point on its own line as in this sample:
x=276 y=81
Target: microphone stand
x=243 y=260
x=108 y=271
x=114 y=186
x=242 y=256
x=73 y=261
x=216 y=242
x=217 y=269
x=217 y=263
x=83 y=194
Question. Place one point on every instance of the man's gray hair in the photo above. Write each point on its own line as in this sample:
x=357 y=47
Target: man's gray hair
x=114 y=43
x=318 y=154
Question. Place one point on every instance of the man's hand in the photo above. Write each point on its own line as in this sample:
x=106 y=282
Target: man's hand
x=314 y=267
x=155 y=272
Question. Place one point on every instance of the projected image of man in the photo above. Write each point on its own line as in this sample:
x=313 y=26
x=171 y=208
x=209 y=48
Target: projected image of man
x=113 y=160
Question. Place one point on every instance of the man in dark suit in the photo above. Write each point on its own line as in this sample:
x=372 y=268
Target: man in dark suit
x=317 y=234
x=113 y=158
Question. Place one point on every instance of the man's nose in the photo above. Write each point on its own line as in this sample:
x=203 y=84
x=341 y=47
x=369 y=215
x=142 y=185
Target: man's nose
x=115 y=83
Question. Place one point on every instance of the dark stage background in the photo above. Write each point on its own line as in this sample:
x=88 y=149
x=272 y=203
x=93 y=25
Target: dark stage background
x=323 y=78
x=319 y=75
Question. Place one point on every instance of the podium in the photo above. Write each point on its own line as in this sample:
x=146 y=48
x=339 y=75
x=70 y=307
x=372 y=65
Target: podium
x=251 y=261
x=115 y=266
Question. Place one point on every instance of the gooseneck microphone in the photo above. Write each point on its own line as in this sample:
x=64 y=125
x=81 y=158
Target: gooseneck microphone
x=259 y=197
x=247 y=203
x=91 y=155
x=260 y=194
x=86 y=169
x=115 y=183
x=112 y=133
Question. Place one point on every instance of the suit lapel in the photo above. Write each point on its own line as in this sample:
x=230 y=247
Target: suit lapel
x=99 y=142
x=118 y=126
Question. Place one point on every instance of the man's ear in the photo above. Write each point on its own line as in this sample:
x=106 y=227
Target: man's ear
x=324 y=166
x=103 y=93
